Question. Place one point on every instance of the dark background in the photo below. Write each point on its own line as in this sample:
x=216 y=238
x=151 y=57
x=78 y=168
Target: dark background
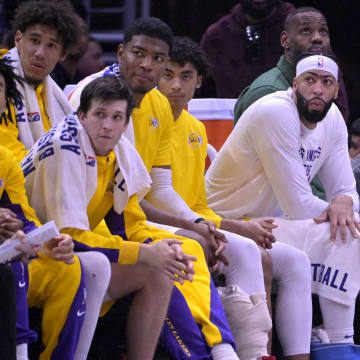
x=192 y=17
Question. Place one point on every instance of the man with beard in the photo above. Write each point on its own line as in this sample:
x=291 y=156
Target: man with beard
x=305 y=30
x=280 y=143
x=244 y=44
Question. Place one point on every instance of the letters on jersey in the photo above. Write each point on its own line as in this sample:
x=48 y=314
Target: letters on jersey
x=63 y=163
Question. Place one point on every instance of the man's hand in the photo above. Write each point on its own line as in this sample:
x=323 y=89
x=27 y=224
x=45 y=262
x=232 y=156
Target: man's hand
x=215 y=238
x=26 y=252
x=60 y=248
x=184 y=258
x=340 y=213
x=266 y=223
x=168 y=257
x=9 y=223
x=213 y=242
x=259 y=230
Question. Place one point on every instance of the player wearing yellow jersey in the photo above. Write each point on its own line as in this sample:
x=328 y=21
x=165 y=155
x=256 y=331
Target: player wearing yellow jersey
x=47 y=277
x=44 y=280
x=142 y=60
x=44 y=32
x=102 y=173
x=184 y=73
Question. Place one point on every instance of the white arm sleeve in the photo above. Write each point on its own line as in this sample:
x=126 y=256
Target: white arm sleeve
x=163 y=195
x=336 y=173
x=275 y=134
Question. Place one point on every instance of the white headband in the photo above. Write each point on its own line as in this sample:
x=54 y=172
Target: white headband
x=317 y=62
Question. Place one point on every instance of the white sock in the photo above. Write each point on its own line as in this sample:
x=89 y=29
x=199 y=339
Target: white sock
x=22 y=352
x=97 y=273
x=292 y=271
x=338 y=320
x=223 y=351
x=245 y=269
x=345 y=335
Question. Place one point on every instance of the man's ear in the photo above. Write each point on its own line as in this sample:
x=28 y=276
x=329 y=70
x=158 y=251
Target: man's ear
x=120 y=51
x=294 y=84
x=81 y=117
x=284 y=40
x=199 y=81
x=63 y=57
x=18 y=38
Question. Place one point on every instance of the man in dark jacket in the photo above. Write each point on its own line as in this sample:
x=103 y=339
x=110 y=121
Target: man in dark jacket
x=244 y=44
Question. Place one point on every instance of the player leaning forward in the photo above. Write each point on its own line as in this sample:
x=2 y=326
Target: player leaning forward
x=98 y=175
x=280 y=143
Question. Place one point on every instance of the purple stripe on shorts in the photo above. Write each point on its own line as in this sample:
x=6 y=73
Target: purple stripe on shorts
x=181 y=336
x=23 y=334
x=70 y=333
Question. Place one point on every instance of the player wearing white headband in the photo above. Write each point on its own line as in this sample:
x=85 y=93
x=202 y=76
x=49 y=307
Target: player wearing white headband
x=264 y=169
x=317 y=62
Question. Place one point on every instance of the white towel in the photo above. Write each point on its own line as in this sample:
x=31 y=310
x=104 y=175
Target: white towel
x=75 y=94
x=28 y=115
x=61 y=175
x=335 y=265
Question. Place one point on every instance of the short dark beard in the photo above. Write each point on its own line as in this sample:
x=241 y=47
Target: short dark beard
x=140 y=90
x=312 y=116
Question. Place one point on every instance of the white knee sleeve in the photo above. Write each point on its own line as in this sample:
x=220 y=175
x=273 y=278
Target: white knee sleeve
x=292 y=271
x=97 y=274
x=249 y=321
x=245 y=269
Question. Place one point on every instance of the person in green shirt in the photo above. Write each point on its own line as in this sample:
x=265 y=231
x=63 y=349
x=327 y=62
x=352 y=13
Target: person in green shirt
x=306 y=30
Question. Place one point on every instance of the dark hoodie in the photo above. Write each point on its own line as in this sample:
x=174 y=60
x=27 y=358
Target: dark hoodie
x=236 y=61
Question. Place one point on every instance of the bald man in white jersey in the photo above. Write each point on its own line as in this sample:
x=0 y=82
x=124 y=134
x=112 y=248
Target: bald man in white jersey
x=264 y=169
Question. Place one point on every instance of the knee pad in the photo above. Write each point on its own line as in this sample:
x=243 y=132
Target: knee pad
x=249 y=321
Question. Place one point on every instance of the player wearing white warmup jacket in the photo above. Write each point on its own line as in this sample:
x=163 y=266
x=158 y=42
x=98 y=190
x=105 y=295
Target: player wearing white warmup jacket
x=264 y=169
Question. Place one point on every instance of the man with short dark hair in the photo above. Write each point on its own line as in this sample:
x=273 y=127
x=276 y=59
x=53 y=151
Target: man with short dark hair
x=55 y=271
x=184 y=73
x=305 y=30
x=264 y=169
x=142 y=60
x=106 y=176
x=45 y=30
x=244 y=44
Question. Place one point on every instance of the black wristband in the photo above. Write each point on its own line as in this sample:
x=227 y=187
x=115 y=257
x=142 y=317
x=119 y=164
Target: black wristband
x=199 y=219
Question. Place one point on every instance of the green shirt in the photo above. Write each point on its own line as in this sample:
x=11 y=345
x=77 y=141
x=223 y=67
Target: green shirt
x=278 y=78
